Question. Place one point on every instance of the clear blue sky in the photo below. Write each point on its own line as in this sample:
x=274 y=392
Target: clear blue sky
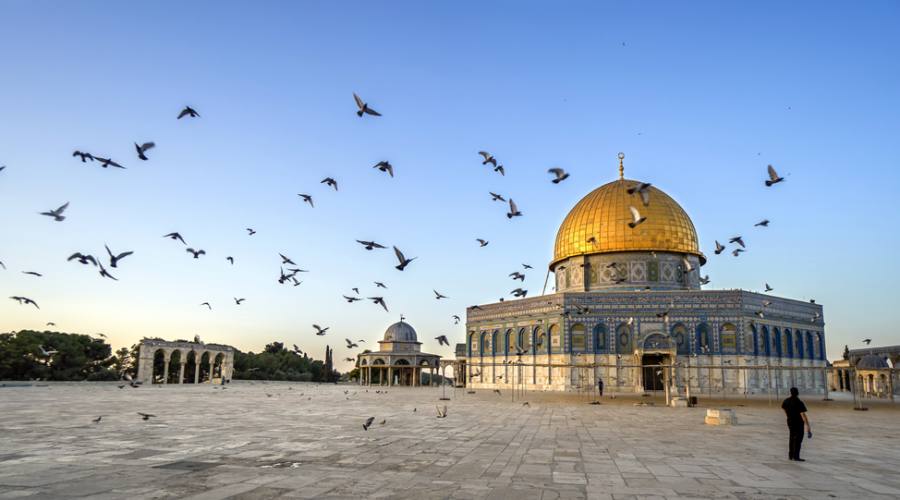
x=700 y=98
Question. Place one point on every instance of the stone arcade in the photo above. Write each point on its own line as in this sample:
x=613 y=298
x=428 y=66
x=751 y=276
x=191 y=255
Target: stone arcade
x=211 y=362
x=629 y=309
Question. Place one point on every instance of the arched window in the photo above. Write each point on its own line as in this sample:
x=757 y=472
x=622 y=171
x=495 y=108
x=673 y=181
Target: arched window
x=473 y=344
x=788 y=343
x=524 y=342
x=623 y=338
x=810 y=348
x=777 y=340
x=681 y=338
x=767 y=344
x=799 y=344
x=485 y=344
x=495 y=347
x=821 y=342
x=578 y=340
x=509 y=343
x=755 y=336
x=704 y=346
x=600 y=338
x=728 y=338
x=541 y=342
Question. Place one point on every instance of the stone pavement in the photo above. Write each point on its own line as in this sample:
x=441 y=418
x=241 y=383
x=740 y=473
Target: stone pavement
x=281 y=440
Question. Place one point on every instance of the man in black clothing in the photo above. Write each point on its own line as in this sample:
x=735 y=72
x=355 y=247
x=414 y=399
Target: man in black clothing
x=600 y=386
x=796 y=421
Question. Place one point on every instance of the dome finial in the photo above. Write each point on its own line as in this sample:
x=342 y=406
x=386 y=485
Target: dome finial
x=621 y=166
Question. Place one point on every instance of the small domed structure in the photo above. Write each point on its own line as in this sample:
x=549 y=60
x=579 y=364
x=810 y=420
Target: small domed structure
x=400 y=332
x=399 y=359
x=872 y=362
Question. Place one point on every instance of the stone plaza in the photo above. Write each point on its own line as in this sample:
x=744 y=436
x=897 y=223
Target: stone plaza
x=303 y=440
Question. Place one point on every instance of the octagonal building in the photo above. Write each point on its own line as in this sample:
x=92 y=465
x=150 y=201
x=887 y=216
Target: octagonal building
x=628 y=309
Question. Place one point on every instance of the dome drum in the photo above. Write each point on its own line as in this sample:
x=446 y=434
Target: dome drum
x=627 y=271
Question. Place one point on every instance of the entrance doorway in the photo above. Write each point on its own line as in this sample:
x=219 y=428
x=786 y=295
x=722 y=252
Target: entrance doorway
x=653 y=372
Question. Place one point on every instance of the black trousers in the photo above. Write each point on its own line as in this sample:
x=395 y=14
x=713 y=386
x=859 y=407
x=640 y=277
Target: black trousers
x=795 y=440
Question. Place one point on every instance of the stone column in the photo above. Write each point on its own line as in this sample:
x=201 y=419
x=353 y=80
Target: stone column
x=196 y=370
x=390 y=371
x=212 y=365
x=166 y=356
x=181 y=373
x=145 y=364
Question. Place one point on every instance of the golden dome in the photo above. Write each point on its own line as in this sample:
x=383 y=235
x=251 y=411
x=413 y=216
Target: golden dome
x=599 y=224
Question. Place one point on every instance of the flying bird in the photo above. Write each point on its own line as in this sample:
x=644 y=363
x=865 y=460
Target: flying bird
x=500 y=169
x=105 y=274
x=737 y=251
x=351 y=299
x=319 y=330
x=250 y=231
x=560 y=175
x=114 y=259
x=526 y=266
x=50 y=323
x=84 y=156
x=517 y=276
x=379 y=284
x=230 y=259
x=403 y=260
x=58 y=213
x=25 y=300
x=174 y=237
x=238 y=301
x=350 y=344
x=867 y=341
x=369 y=245
x=643 y=189
x=518 y=292
x=2 y=265
x=286 y=260
x=513 y=210
x=482 y=242
x=188 y=111
x=704 y=280
x=368 y=423
x=145 y=416
x=82 y=258
x=385 y=166
x=349 y=360
x=719 y=247
x=33 y=273
x=636 y=218
x=196 y=253
x=108 y=162
x=739 y=240
x=379 y=301
x=768 y=288
x=496 y=197
x=46 y=353
x=207 y=305
x=143 y=148
x=329 y=182
x=364 y=107
x=455 y=319
x=307 y=198
x=763 y=223
x=686 y=264
x=442 y=340
x=773 y=176
x=488 y=158
x=439 y=296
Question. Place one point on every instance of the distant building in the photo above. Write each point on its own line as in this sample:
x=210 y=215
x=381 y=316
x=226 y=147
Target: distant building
x=184 y=362
x=629 y=309
x=399 y=359
x=874 y=370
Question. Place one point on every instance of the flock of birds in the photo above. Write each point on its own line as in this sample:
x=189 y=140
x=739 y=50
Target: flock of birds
x=289 y=270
